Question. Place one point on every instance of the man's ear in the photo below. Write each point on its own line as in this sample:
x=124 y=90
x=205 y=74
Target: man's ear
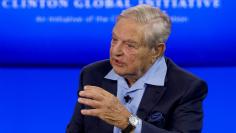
x=159 y=50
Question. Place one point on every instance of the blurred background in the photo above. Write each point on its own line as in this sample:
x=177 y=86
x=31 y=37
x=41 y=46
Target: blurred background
x=45 y=43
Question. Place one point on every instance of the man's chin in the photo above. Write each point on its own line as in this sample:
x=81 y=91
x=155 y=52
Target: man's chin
x=119 y=71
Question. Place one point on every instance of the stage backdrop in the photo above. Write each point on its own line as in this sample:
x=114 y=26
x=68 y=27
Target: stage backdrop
x=77 y=32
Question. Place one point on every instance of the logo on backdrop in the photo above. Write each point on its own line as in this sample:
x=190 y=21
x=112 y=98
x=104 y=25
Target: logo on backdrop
x=95 y=5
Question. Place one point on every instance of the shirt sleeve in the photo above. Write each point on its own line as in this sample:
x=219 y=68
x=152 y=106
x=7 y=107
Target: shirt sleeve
x=138 y=128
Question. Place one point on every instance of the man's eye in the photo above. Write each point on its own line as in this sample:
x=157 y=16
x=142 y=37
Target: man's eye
x=114 y=39
x=130 y=45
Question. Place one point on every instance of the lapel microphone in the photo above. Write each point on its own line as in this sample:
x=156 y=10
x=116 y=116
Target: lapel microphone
x=128 y=99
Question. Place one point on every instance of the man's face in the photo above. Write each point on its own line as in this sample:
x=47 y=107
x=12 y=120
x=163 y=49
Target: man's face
x=128 y=57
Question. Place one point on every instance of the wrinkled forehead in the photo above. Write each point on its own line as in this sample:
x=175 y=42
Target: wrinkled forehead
x=128 y=29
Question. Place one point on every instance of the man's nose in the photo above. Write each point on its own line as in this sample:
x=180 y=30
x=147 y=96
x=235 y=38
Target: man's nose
x=118 y=49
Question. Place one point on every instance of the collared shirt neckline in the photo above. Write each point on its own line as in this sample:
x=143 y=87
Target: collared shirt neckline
x=154 y=76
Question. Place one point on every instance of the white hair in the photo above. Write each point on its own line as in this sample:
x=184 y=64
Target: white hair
x=157 y=24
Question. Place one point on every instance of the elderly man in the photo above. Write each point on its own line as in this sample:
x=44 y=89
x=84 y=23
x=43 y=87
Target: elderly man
x=139 y=89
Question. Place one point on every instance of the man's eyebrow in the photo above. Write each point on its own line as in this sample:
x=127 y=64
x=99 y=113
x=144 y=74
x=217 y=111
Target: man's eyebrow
x=114 y=34
x=128 y=40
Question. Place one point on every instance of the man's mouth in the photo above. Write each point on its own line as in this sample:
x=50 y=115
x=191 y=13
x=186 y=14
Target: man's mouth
x=118 y=63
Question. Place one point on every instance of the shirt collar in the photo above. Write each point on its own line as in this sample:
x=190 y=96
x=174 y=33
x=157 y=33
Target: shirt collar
x=154 y=76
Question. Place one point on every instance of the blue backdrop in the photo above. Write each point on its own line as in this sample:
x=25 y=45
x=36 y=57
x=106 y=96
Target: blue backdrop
x=76 y=32
x=44 y=44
